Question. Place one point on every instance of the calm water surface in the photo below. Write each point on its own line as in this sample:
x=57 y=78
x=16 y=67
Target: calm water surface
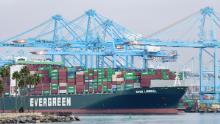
x=184 y=118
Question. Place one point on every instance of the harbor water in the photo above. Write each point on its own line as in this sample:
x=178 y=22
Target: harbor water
x=183 y=118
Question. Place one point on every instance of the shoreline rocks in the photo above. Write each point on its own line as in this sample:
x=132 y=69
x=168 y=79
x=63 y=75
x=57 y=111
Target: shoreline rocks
x=6 y=118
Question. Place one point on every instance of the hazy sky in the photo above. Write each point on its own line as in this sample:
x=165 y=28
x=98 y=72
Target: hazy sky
x=141 y=16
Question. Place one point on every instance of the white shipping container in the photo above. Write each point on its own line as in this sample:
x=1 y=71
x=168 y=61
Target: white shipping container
x=80 y=72
x=118 y=73
x=114 y=86
x=63 y=84
x=63 y=91
x=120 y=79
x=162 y=83
x=137 y=85
x=91 y=81
x=114 y=78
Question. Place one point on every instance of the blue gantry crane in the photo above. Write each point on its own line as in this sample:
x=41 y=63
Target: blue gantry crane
x=90 y=41
x=203 y=27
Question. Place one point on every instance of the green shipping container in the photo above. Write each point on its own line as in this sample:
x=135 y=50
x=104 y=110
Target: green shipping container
x=109 y=79
x=129 y=86
x=105 y=80
x=181 y=75
x=53 y=74
x=54 y=71
x=71 y=68
x=149 y=72
x=54 y=78
x=54 y=86
x=7 y=94
x=130 y=74
x=109 y=90
x=71 y=77
x=46 y=92
x=91 y=74
x=86 y=91
x=71 y=89
x=42 y=68
x=104 y=88
x=130 y=78
x=166 y=77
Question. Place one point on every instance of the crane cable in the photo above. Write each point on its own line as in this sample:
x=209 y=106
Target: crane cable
x=175 y=23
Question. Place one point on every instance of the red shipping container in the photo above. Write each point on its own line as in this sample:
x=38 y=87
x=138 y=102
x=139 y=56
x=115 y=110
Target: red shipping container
x=168 y=71
x=62 y=70
x=71 y=81
x=105 y=83
x=109 y=85
x=46 y=88
x=71 y=84
x=54 y=91
x=138 y=73
x=91 y=77
x=114 y=82
x=99 y=88
x=38 y=88
x=79 y=80
x=129 y=81
x=80 y=91
x=80 y=75
x=86 y=84
x=54 y=81
x=80 y=83
x=91 y=90
x=145 y=83
x=145 y=80
x=80 y=86
x=63 y=76
x=46 y=72
x=37 y=92
x=119 y=76
x=63 y=81
x=95 y=73
x=62 y=88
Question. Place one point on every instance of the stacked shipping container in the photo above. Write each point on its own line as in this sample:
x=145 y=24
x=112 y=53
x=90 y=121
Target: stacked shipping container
x=62 y=80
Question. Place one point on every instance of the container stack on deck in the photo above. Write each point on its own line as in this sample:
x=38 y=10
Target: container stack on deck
x=74 y=80
x=71 y=79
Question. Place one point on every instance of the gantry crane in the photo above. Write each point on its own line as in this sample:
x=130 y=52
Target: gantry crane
x=205 y=27
x=91 y=41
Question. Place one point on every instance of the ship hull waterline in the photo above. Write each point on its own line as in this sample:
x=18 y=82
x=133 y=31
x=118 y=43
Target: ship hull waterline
x=163 y=100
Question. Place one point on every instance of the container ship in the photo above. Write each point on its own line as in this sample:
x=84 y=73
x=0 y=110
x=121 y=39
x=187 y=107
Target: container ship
x=93 y=91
